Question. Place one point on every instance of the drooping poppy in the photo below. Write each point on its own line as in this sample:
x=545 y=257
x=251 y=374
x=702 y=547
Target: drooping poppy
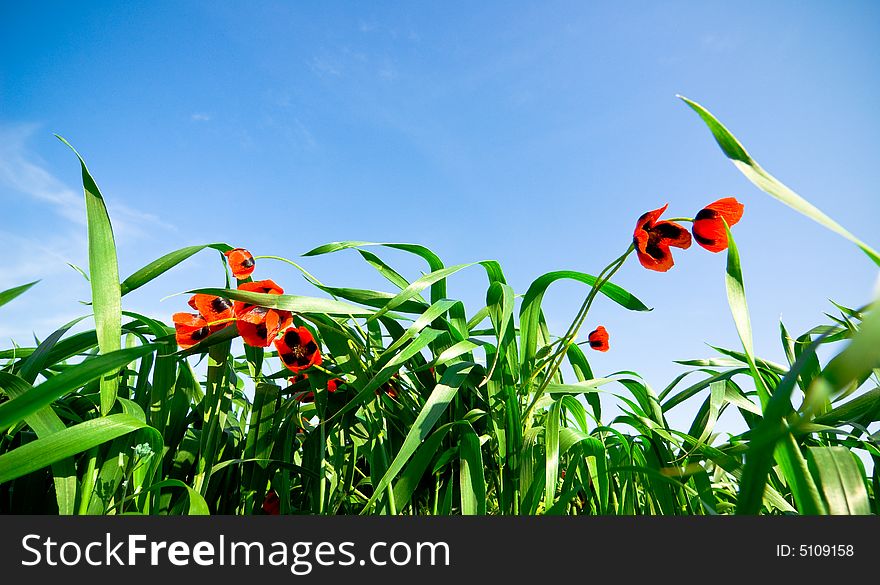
x=653 y=238
x=190 y=329
x=599 y=339
x=272 y=503
x=217 y=311
x=304 y=397
x=241 y=262
x=298 y=350
x=708 y=225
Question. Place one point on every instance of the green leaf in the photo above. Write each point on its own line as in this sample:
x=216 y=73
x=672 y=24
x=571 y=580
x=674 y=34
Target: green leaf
x=840 y=480
x=162 y=265
x=551 y=452
x=53 y=448
x=471 y=478
x=9 y=294
x=296 y=304
x=767 y=182
x=67 y=381
x=104 y=273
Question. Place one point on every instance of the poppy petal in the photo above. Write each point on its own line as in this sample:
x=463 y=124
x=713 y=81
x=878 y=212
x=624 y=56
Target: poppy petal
x=212 y=308
x=708 y=225
x=656 y=257
x=729 y=208
x=673 y=234
x=258 y=326
x=189 y=329
x=647 y=219
x=599 y=339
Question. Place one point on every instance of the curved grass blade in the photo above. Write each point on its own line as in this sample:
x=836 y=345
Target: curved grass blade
x=741 y=159
x=9 y=294
x=45 y=451
x=162 y=265
x=296 y=304
x=104 y=278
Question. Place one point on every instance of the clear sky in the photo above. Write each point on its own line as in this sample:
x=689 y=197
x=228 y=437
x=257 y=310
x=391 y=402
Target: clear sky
x=530 y=133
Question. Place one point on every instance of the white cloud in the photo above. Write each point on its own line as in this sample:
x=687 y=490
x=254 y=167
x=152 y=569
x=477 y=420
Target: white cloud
x=200 y=117
x=24 y=172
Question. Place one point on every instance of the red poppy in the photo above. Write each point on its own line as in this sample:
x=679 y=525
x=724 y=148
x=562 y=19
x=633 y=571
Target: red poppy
x=298 y=350
x=217 y=311
x=653 y=238
x=599 y=339
x=272 y=503
x=189 y=329
x=709 y=229
x=241 y=262
x=334 y=384
x=304 y=397
x=259 y=326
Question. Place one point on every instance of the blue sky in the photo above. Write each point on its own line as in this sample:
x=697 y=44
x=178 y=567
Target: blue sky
x=530 y=133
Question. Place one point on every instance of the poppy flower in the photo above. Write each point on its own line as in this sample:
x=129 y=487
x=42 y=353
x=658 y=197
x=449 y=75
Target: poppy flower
x=709 y=229
x=272 y=503
x=599 y=339
x=217 y=311
x=653 y=238
x=241 y=262
x=298 y=350
x=334 y=384
x=304 y=397
x=259 y=326
x=190 y=329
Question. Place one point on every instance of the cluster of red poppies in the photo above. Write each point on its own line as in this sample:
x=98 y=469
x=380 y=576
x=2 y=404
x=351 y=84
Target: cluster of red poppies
x=258 y=326
x=653 y=238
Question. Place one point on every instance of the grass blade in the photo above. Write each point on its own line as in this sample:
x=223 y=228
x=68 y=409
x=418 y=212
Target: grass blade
x=104 y=278
x=741 y=159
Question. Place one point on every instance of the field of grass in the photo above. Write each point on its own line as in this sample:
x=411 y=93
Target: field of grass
x=360 y=401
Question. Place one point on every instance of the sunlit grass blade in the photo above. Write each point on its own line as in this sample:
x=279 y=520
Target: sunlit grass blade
x=53 y=448
x=162 y=265
x=104 y=278
x=741 y=159
x=297 y=304
x=9 y=294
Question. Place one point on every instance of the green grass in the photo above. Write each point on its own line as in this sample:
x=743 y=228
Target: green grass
x=445 y=409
